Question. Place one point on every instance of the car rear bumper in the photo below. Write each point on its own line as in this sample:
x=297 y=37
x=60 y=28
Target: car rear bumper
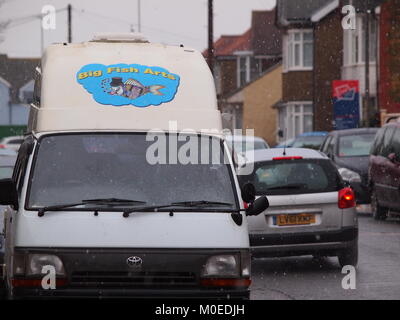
x=72 y=293
x=327 y=242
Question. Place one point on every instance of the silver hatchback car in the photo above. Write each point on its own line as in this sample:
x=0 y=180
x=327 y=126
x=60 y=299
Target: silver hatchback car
x=312 y=211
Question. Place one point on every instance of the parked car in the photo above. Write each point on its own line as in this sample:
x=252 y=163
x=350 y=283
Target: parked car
x=11 y=142
x=6 y=170
x=311 y=209
x=384 y=171
x=244 y=146
x=287 y=143
x=309 y=140
x=349 y=150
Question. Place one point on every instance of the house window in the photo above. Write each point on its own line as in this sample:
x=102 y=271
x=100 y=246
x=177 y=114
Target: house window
x=243 y=70
x=249 y=68
x=26 y=92
x=354 y=42
x=296 y=118
x=299 y=50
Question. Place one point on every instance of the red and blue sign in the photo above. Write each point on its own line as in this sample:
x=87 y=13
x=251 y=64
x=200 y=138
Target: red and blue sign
x=346 y=104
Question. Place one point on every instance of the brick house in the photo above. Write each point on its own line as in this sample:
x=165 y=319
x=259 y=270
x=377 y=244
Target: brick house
x=239 y=59
x=389 y=62
x=257 y=99
x=316 y=51
x=312 y=59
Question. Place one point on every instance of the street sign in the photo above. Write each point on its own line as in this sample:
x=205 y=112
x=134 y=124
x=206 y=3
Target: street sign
x=346 y=104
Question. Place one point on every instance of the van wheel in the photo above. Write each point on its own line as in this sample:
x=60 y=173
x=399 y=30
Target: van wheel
x=349 y=256
x=378 y=212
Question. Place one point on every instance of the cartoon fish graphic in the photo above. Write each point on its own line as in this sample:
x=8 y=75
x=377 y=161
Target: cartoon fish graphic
x=134 y=89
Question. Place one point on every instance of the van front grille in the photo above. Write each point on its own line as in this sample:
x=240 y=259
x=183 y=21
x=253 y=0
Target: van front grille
x=133 y=279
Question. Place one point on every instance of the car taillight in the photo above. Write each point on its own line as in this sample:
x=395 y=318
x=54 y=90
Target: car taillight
x=347 y=198
x=2 y=146
x=246 y=205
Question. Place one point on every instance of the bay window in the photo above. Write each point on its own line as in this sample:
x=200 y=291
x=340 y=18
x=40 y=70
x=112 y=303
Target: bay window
x=298 y=50
x=295 y=118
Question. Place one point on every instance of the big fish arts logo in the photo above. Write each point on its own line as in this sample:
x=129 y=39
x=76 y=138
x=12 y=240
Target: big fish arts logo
x=133 y=84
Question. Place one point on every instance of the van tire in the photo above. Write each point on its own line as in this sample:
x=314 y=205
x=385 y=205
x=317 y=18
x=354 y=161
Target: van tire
x=378 y=212
x=349 y=256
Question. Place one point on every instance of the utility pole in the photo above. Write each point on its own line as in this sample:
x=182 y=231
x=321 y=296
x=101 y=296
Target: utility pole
x=69 y=8
x=139 y=18
x=367 y=75
x=210 y=35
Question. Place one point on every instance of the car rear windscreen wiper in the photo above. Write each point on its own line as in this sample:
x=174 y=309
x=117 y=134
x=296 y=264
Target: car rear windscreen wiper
x=201 y=203
x=108 y=201
x=289 y=186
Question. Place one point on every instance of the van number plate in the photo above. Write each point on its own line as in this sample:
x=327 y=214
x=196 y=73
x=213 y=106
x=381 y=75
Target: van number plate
x=294 y=219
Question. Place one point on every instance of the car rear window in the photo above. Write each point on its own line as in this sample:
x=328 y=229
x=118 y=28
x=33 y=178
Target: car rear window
x=285 y=177
x=356 y=145
x=309 y=142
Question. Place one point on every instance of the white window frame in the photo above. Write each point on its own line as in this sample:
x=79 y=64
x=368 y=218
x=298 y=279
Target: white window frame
x=290 y=116
x=247 y=55
x=349 y=45
x=289 y=43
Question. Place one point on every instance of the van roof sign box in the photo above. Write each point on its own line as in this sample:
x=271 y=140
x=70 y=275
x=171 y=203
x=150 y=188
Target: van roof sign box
x=122 y=82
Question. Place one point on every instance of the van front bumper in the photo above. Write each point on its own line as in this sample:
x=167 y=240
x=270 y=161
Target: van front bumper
x=71 y=293
x=329 y=243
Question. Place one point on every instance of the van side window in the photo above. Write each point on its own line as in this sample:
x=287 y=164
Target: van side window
x=21 y=165
x=387 y=147
x=376 y=147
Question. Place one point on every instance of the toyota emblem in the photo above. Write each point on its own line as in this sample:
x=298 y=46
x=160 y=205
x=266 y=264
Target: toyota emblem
x=134 y=261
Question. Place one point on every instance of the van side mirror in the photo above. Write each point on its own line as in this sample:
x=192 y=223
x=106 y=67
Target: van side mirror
x=258 y=206
x=8 y=193
x=248 y=193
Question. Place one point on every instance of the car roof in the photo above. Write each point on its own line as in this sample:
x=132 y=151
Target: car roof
x=269 y=154
x=314 y=134
x=243 y=138
x=349 y=132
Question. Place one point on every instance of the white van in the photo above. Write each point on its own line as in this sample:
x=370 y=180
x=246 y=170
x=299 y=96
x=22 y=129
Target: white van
x=124 y=186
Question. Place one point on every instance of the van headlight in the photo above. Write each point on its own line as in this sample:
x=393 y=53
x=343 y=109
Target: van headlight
x=349 y=175
x=36 y=262
x=225 y=266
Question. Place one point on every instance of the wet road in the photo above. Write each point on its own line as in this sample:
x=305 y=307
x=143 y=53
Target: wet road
x=378 y=273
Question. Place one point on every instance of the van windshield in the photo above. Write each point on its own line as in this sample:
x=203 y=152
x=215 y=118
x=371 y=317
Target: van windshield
x=155 y=169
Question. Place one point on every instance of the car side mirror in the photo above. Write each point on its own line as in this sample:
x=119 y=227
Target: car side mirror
x=258 y=206
x=248 y=193
x=8 y=193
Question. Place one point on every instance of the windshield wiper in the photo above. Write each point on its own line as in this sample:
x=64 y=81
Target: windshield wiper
x=112 y=201
x=201 y=203
x=108 y=201
x=177 y=204
x=290 y=186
